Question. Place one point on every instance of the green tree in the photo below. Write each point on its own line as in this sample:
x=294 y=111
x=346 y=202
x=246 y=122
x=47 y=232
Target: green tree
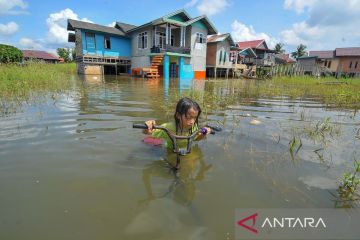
x=9 y=54
x=300 y=51
x=279 y=48
x=64 y=53
x=73 y=54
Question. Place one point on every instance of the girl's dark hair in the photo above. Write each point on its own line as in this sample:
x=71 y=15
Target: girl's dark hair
x=182 y=107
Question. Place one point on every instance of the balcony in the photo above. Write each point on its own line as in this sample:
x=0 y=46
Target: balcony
x=169 y=48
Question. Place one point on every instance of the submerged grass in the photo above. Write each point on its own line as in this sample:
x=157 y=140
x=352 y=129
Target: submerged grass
x=333 y=92
x=218 y=94
x=19 y=84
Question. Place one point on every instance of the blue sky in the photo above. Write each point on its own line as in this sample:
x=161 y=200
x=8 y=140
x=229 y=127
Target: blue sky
x=319 y=24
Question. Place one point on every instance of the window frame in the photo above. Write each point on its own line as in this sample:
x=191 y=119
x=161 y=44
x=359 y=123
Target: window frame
x=200 y=38
x=142 y=39
x=105 y=40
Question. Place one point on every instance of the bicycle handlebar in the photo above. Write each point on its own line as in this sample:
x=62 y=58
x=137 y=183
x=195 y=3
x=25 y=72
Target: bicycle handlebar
x=173 y=137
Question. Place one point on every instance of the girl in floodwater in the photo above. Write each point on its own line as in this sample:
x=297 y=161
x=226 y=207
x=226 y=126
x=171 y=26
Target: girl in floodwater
x=185 y=122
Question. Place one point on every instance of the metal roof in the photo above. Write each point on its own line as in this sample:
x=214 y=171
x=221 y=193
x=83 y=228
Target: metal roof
x=322 y=54
x=38 y=55
x=219 y=38
x=124 y=26
x=167 y=19
x=250 y=44
x=351 y=51
x=75 y=24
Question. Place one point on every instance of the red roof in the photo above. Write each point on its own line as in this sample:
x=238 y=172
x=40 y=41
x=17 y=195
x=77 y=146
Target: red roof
x=353 y=51
x=250 y=44
x=322 y=54
x=39 y=55
x=285 y=57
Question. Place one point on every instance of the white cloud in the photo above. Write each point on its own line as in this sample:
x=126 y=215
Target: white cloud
x=8 y=29
x=329 y=24
x=298 y=5
x=241 y=32
x=212 y=7
x=12 y=7
x=27 y=43
x=57 y=26
x=111 y=24
x=191 y=3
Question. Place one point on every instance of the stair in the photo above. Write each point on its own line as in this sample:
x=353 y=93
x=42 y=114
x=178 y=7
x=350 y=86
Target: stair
x=154 y=68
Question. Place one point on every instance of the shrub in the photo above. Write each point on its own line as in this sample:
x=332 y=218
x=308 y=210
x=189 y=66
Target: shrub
x=9 y=54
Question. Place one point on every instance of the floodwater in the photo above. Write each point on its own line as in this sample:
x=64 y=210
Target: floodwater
x=74 y=168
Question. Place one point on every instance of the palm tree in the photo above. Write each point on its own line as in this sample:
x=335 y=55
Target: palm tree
x=300 y=51
x=279 y=48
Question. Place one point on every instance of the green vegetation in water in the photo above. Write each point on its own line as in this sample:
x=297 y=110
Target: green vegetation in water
x=344 y=93
x=322 y=130
x=347 y=191
x=21 y=83
x=295 y=143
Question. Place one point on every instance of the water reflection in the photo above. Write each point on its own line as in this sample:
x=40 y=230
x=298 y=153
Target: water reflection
x=181 y=183
x=81 y=148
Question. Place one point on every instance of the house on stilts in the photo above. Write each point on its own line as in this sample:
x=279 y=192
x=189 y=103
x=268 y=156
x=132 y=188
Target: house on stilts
x=171 y=46
x=218 y=59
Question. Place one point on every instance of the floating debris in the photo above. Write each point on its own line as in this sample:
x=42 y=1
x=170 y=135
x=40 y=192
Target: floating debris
x=255 y=122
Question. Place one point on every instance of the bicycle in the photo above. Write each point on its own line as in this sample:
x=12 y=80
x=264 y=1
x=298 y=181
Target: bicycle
x=173 y=137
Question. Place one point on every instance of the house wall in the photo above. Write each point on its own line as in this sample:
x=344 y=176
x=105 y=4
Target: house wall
x=140 y=57
x=88 y=69
x=308 y=64
x=78 y=43
x=345 y=64
x=211 y=54
x=333 y=65
x=223 y=47
x=198 y=51
x=262 y=46
x=120 y=47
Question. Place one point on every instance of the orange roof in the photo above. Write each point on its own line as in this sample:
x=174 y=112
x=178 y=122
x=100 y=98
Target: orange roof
x=250 y=44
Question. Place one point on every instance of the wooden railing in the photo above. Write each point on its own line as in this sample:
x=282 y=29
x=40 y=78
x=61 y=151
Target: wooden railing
x=103 y=60
x=169 y=48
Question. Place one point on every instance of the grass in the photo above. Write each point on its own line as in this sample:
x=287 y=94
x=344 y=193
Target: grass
x=220 y=93
x=348 y=188
x=19 y=84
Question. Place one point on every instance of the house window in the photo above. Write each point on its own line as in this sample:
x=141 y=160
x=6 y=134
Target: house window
x=200 y=38
x=356 y=65
x=224 y=57
x=350 y=65
x=220 y=57
x=107 y=43
x=329 y=64
x=142 y=40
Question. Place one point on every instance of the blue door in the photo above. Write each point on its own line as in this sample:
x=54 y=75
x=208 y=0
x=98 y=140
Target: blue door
x=90 y=43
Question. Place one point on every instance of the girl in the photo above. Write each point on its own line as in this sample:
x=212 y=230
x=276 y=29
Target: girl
x=185 y=123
